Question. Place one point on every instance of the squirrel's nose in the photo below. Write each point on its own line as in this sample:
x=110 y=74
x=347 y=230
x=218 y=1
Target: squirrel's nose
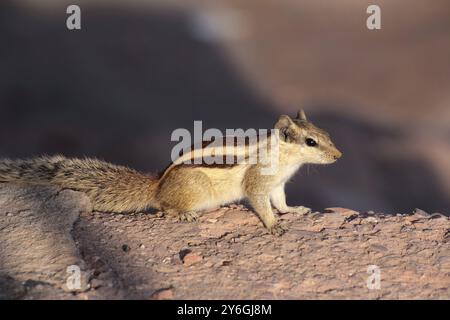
x=337 y=155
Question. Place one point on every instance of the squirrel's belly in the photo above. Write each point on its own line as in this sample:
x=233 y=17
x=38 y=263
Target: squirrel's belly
x=226 y=186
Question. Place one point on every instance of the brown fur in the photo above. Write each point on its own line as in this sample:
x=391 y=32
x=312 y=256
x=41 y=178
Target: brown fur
x=186 y=189
x=111 y=188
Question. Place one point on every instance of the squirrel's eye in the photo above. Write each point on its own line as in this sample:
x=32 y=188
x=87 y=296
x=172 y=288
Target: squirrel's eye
x=310 y=142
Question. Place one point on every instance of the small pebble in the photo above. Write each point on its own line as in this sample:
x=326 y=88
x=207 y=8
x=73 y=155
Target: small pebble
x=191 y=258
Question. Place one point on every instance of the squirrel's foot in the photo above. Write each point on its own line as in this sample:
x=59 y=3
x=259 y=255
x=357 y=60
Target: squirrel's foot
x=168 y=213
x=299 y=210
x=277 y=229
x=189 y=216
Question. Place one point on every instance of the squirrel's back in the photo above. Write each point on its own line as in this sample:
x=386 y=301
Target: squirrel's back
x=111 y=188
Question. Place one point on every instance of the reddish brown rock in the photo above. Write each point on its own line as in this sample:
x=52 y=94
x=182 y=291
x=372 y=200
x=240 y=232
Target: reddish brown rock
x=227 y=254
x=163 y=294
x=191 y=258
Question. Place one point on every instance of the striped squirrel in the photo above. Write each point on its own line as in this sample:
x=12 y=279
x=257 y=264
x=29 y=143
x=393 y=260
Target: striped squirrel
x=184 y=189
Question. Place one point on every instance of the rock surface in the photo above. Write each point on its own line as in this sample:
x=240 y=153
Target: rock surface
x=225 y=255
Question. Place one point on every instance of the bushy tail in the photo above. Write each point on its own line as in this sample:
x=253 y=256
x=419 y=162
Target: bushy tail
x=111 y=188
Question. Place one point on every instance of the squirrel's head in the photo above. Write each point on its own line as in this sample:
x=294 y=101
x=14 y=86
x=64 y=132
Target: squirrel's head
x=311 y=143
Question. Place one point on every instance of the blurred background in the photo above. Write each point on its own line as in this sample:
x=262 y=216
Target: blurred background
x=138 y=69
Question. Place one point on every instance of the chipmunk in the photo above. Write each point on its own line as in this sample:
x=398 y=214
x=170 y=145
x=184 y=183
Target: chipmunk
x=186 y=188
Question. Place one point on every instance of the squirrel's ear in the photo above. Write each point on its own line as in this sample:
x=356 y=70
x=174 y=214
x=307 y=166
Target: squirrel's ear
x=301 y=115
x=283 y=124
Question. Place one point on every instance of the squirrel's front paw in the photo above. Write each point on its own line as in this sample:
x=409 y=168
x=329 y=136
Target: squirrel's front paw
x=277 y=229
x=189 y=216
x=299 y=210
